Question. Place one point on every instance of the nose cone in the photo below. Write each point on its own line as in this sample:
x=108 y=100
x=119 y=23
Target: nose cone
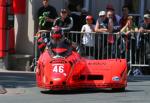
x=58 y=81
x=58 y=84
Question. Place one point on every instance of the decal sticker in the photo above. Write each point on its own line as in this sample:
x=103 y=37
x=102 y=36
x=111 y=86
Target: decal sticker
x=58 y=68
x=115 y=78
x=96 y=63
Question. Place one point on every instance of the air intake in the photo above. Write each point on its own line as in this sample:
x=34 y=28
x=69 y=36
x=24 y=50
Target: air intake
x=95 y=77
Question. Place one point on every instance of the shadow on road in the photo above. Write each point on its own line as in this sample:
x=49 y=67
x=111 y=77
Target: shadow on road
x=85 y=91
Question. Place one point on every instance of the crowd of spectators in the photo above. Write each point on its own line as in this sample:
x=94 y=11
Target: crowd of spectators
x=75 y=18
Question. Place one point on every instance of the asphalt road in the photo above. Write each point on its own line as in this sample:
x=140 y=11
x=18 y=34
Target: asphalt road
x=21 y=88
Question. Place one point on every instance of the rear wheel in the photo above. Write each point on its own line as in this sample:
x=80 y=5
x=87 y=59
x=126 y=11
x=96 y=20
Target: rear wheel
x=118 y=89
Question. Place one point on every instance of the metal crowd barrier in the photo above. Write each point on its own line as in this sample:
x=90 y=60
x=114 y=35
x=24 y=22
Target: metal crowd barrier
x=134 y=47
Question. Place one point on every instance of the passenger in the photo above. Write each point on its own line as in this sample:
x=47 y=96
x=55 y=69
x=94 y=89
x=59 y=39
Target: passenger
x=46 y=14
x=64 y=21
x=88 y=37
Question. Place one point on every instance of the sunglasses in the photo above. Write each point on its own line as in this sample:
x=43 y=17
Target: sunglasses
x=102 y=16
x=63 y=12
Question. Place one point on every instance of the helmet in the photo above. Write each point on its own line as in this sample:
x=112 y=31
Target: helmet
x=89 y=17
x=56 y=32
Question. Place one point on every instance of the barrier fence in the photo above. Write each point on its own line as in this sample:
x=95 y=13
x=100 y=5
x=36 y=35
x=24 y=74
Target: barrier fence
x=134 y=47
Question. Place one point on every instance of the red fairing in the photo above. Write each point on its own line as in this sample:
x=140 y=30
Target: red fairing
x=55 y=72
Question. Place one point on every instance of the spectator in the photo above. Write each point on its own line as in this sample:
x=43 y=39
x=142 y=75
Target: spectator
x=129 y=30
x=84 y=13
x=113 y=20
x=88 y=36
x=130 y=27
x=116 y=17
x=75 y=14
x=145 y=26
x=125 y=14
x=102 y=23
x=46 y=15
x=64 y=21
x=113 y=27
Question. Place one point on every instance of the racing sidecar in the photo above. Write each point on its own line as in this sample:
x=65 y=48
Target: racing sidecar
x=65 y=69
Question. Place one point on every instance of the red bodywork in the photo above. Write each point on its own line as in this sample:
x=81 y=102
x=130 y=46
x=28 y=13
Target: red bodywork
x=74 y=72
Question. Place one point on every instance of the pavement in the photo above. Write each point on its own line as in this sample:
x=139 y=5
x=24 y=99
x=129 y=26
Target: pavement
x=2 y=90
x=4 y=72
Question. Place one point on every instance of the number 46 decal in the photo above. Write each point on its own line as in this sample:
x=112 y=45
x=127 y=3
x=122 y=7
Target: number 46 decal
x=58 y=68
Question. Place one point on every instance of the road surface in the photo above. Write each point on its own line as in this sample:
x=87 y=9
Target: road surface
x=21 y=88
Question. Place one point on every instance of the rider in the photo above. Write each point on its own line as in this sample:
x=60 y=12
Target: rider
x=57 y=39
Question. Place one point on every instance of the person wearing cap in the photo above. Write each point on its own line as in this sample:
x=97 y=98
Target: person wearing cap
x=64 y=21
x=102 y=23
x=101 y=27
x=145 y=26
x=88 y=37
x=46 y=15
